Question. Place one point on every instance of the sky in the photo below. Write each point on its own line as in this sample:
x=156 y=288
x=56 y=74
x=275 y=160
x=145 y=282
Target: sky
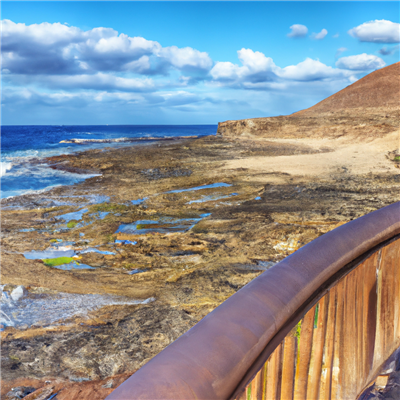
x=131 y=62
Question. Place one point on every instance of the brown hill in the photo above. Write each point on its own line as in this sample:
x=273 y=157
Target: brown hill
x=380 y=88
x=369 y=107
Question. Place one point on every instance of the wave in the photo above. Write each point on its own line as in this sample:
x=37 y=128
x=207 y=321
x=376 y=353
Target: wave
x=26 y=178
x=4 y=167
x=126 y=139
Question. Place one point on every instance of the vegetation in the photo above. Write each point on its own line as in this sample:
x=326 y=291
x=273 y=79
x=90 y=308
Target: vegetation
x=72 y=224
x=316 y=316
x=52 y=262
x=109 y=207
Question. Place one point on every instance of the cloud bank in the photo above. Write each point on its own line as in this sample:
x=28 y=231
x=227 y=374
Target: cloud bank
x=361 y=62
x=64 y=67
x=378 y=31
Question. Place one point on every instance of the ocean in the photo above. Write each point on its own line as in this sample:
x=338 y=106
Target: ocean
x=23 y=148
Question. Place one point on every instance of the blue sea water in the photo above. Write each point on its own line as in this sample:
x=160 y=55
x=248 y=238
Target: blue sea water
x=23 y=147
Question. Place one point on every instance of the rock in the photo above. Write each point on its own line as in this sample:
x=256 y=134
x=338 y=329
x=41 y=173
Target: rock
x=5 y=297
x=93 y=259
x=109 y=384
x=18 y=293
x=19 y=392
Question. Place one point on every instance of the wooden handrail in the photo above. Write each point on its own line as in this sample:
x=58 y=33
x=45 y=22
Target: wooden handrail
x=219 y=356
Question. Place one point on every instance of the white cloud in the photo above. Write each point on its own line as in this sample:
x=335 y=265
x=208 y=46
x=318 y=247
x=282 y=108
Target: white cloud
x=255 y=67
x=336 y=35
x=225 y=70
x=378 y=31
x=298 y=30
x=255 y=61
x=360 y=62
x=59 y=49
x=259 y=72
x=309 y=70
x=186 y=58
x=320 y=35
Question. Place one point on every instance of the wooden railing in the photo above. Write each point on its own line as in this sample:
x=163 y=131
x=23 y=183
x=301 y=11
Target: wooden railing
x=318 y=325
x=339 y=346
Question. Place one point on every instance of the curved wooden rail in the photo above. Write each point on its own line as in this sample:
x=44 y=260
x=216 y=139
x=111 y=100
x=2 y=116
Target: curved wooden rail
x=247 y=346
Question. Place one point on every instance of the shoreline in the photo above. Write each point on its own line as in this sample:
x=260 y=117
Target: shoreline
x=56 y=162
x=200 y=218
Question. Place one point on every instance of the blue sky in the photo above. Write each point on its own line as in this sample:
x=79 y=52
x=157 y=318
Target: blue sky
x=185 y=62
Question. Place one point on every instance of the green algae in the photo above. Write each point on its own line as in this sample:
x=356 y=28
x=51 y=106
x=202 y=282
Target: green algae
x=72 y=224
x=52 y=262
x=109 y=207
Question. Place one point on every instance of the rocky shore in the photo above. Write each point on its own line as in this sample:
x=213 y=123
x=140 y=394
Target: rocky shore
x=170 y=231
x=99 y=277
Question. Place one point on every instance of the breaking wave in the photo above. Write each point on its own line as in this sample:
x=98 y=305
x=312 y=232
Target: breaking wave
x=4 y=167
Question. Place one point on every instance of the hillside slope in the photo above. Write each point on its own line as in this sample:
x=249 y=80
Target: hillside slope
x=380 y=88
x=368 y=108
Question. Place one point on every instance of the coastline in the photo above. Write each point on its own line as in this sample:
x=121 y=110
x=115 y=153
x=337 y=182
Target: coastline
x=188 y=261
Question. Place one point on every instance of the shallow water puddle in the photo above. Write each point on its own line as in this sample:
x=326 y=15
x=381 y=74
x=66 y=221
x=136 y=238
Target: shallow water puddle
x=162 y=225
x=76 y=215
x=72 y=265
x=136 y=271
x=49 y=309
x=138 y=201
x=118 y=241
x=212 y=197
x=94 y=250
x=60 y=256
x=48 y=253
x=213 y=185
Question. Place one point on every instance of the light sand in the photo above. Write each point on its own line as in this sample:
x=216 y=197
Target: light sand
x=352 y=156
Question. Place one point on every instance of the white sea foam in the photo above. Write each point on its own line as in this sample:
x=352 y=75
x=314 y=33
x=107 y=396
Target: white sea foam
x=4 y=167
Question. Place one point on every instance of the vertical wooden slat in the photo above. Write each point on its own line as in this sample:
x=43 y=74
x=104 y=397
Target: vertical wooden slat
x=379 y=337
x=305 y=346
x=369 y=312
x=314 y=378
x=326 y=376
x=348 y=342
x=359 y=281
x=337 y=380
x=264 y=382
x=256 y=387
x=388 y=275
x=396 y=262
x=288 y=367
x=274 y=371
